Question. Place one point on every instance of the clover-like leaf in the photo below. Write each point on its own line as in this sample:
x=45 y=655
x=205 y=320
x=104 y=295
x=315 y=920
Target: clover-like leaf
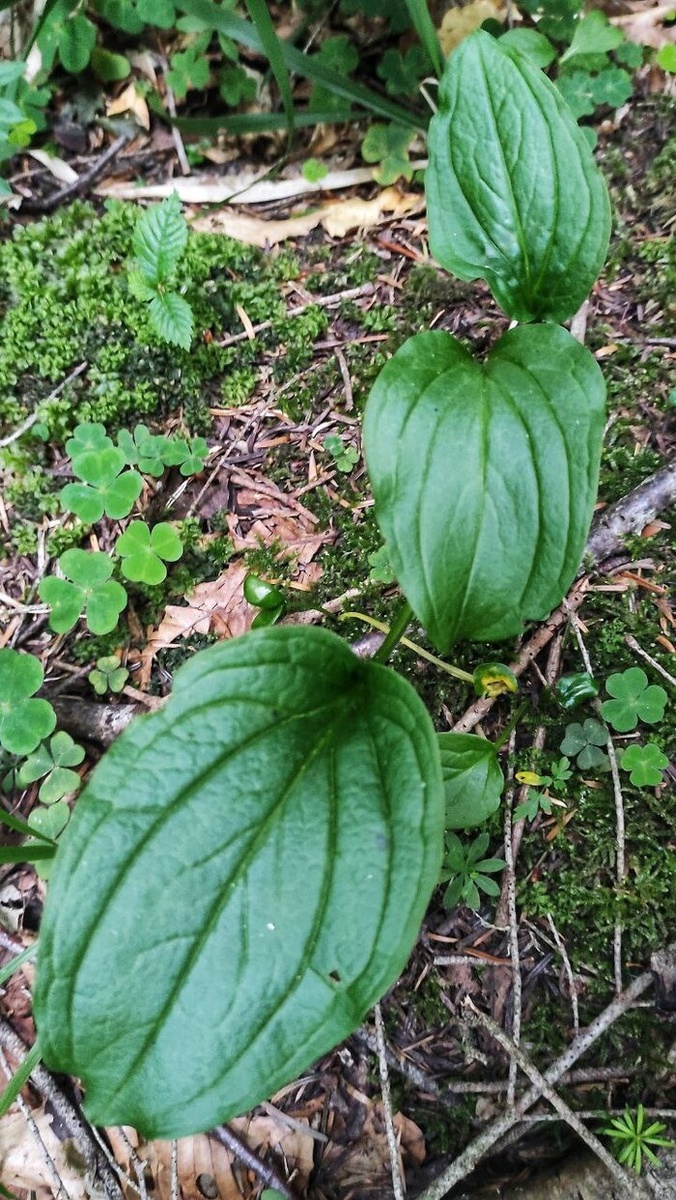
x=645 y=764
x=288 y=802
x=24 y=721
x=196 y=456
x=107 y=487
x=143 y=550
x=53 y=760
x=144 y=450
x=84 y=447
x=51 y=821
x=633 y=700
x=108 y=675
x=473 y=781
x=583 y=742
x=87 y=587
x=485 y=475
x=520 y=204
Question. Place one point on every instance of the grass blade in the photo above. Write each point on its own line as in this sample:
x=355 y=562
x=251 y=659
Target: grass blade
x=424 y=27
x=20 y=1077
x=307 y=65
x=260 y=122
x=260 y=15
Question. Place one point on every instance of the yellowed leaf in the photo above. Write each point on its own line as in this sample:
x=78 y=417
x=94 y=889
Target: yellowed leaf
x=338 y=217
x=458 y=23
x=129 y=101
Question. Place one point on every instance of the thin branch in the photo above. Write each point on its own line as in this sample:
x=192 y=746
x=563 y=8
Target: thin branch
x=631 y=514
x=509 y=884
x=78 y=1128
x=390 y=1131
x=561 y=947
x=30 y=420
x=366 y=289
x=633 y=645
x=628 y=1187
x=79 y=186
x=479 y=1147
x=237 y=1146
x=61 y=1190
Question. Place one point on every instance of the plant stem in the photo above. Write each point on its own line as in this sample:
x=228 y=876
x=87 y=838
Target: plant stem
x=395 y=633
x=511 y=724
x=456 y=672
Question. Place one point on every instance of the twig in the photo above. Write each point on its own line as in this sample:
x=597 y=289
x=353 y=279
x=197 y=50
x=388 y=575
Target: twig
x=633 y=645
x=61 y=1190
x=477 y=711
x=366 y=289
x=509 y=883
x=26 y=425
x=76 y=1125
x=479 y=1147
x=620 y=862
x=631 y=514
x=561 y=947
x=79 y=185
x=390 y=1131
x=174 y=1170
x=139 y=1164
x=631 y=1188
x=237 y=1146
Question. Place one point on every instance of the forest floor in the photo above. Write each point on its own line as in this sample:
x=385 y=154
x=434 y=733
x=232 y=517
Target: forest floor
x=291 y=340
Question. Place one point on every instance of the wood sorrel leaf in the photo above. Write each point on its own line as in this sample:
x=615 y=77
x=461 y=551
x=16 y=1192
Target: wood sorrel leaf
x=243 y=877
x=513 y=194
x=485 y=475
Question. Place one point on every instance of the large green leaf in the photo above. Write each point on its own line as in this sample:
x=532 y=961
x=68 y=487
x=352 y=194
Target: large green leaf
x=485 y=475
x=513 y=194
x=473 y=781
x=242 y=879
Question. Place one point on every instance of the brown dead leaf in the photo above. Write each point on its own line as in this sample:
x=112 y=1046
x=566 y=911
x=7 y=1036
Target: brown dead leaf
x=364 y=1164
x=22 y=1159
x=205 y=1167
x=129 y=101
x=338 y=218
x=217 y=606
x=646 y=24
x=458 y=23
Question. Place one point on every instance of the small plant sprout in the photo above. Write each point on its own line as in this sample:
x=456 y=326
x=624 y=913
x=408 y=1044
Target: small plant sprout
x=645 y=765
x=634 y=1139
x=54 y=760
x=144 y=551
x=108 y=675
x=572 y=690
x=24 y=721
x=345 y=457
x=145 y=450
x=583 y=742
x=159 y=240
x=536 y=801
x=87 y=588
x=634 y=700
x=468 y=872
x=265 y=596
x=379 y=562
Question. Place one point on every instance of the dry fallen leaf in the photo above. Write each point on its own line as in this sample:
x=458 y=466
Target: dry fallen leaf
x=458 y=23
x=205 y=1167
x=646 y=24
x=23 y=1165
x=337 y=217
x=129 y=101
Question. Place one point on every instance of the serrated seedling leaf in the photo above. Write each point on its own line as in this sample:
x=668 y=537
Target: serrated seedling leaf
x=172 y=319
x=523 y=206
x=159 y=240
x=245 y=978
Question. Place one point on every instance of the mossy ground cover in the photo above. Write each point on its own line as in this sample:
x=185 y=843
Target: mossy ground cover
x=270 y=403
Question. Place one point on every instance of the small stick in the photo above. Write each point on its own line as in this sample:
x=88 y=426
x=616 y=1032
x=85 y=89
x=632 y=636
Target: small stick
x=77 y=1127
x=630 y=1188
x=561 y=947
x=61 y=1191
x=479 y=1147
x=366 y=289
x=509 y=883
x=237 y=1146
x=174 y=1170
x=139 y=1165
x=30 y=421
x=390 y=1131
x=633 y=645
x=79 y=185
